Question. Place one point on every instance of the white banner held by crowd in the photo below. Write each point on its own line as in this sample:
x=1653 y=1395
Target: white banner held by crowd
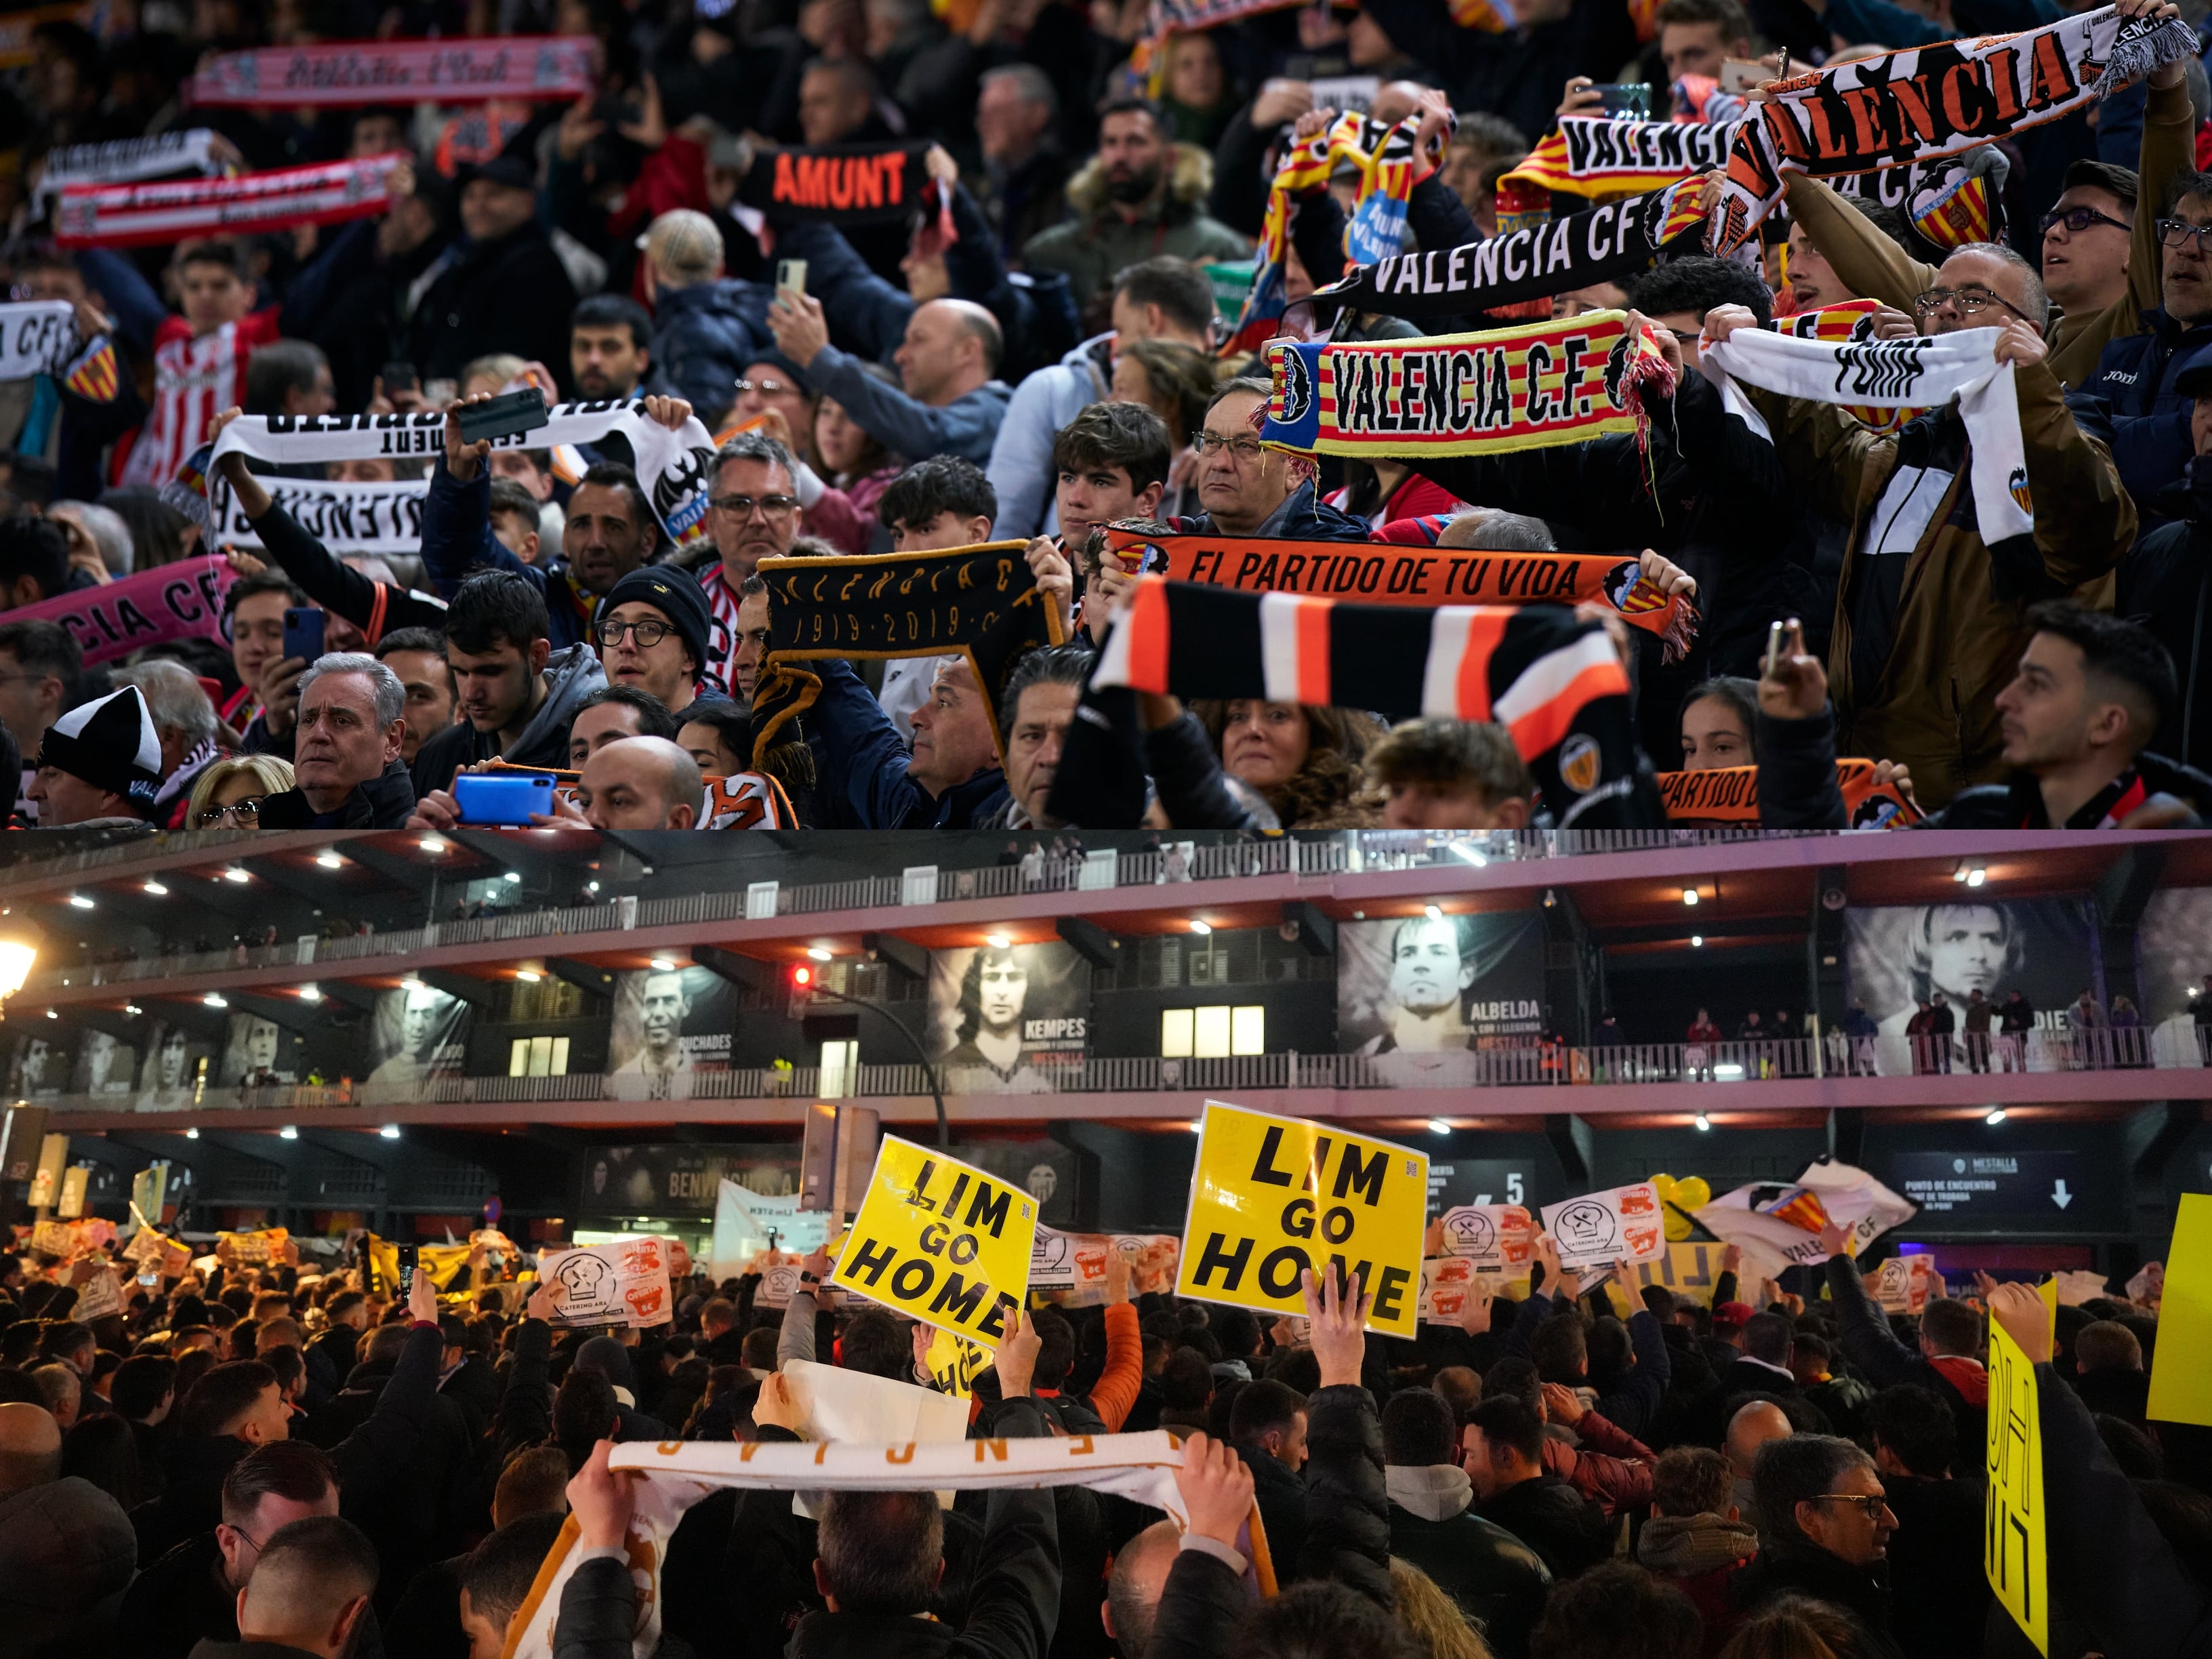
x=346 y=518
x=1778 y=1226
x=1621 y=1223
x=126 y=161
x=37 y=337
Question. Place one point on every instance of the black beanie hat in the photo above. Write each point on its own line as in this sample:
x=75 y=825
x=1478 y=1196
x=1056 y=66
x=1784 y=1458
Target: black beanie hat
x=111 y=743
x=676 y=594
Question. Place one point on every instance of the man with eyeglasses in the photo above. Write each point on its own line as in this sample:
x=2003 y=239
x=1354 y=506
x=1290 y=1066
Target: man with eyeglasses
x=651 y=629
x=752 y=513
x=1915 y=667
x=40 y=662
x=1824 y=1532
x=2140 y=375
x=1247 y=490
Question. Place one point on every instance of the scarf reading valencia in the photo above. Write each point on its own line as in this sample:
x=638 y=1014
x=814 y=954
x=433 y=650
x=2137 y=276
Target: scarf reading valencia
x=1464 y=394
x=1532 y=262
x=982 y=603
x=1729 y=794
x=1601 y=158
x=843 y=184
x=1554 y=682
x=140 y=214
x=1389 y=573
x=1932 y=101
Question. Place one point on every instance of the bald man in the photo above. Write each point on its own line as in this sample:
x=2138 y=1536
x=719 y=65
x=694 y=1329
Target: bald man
x=952 y=401
x=65 y=1546
x=1752 y=1427
x=640 y=783
x=1133 y=1592
x=310 y=1591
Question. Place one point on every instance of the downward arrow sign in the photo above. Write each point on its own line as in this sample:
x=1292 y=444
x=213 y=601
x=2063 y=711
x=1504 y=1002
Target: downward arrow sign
x=2059 y=1195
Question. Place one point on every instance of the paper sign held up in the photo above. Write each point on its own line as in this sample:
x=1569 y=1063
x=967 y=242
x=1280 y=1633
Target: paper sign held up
x=939 y=1241
x=1621 y=1223
x=2181 y=1392
x=621 y=1283
x=2013 y=1555
x=1273 y=1196
x=1494 y=1234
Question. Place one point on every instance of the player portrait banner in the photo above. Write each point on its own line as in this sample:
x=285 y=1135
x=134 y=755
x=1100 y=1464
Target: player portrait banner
x=1533 y=262
x=672 y=466
x=1006 y=1020
x=671 y=1025
x=980 y=602
x=1552 y=680
x=1421 y=995
x=1729 y=794
x=171 y=210
x=1463 y=394
x=346 y=518
x=841 y=184
x=340 y=73
x=1389 y=572
x=1600 y=158
x=180 y=601
x=1933 y=101
x=124 y=161
x=419 y=1035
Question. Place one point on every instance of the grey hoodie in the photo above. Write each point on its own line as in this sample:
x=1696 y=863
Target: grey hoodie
x=1434 y=1492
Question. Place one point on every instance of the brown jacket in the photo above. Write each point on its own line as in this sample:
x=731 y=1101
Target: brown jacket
x=1875 y=268
x=1956 y=643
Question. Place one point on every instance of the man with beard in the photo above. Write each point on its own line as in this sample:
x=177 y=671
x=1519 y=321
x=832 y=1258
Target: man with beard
x=666 y=1005
x=610 y=346
x=1429 y=977
x=1140 y=198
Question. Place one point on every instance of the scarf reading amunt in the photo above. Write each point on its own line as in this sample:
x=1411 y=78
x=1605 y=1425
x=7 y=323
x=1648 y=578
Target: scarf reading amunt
x=1465 y=394
x=1932 y=102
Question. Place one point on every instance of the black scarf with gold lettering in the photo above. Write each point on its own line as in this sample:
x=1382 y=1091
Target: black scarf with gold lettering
x=980 y=602
x=845 y=184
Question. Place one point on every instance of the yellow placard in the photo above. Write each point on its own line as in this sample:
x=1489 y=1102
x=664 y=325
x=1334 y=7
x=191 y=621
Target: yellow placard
x=1690 y=1271
x=2181 y=1392
x=1272 y=1196
x=2013 y=1556
x=953 y=1362
x=940 y=1240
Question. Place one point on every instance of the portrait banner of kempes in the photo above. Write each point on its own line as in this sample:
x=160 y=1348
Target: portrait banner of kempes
x=1897 y=956
x=169 y=1072
x=669 y=1024
x=1421 y=996
x=419 y=1033
x=1001 y=1021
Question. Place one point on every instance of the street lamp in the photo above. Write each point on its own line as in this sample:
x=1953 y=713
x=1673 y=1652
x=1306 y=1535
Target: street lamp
x=16 y=957
x=807 y=981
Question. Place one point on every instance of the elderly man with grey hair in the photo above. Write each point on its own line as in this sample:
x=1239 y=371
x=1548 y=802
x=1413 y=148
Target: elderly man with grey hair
x=347 y=756
x=108 y=529
x=185 y=720
x=1824 y=1531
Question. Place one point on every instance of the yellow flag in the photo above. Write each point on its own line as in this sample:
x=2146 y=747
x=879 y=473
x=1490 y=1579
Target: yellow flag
x=2181 y=1392
x=1272 y=1196
x=2013 y=1534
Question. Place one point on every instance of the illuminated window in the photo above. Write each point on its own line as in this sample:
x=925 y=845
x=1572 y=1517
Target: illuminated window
x=1247 y=1031
x=1174 y=1034
x=1210 y=1040
x=539 y=1056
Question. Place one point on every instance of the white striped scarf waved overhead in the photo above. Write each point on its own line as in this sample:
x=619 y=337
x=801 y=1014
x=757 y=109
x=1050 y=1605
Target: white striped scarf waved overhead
x=1554 y=682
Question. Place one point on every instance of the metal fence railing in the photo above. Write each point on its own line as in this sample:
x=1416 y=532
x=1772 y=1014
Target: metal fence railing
x=2178 y=1045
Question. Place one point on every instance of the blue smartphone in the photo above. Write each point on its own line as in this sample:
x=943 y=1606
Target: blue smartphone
x=486 y=798
x=303 y=634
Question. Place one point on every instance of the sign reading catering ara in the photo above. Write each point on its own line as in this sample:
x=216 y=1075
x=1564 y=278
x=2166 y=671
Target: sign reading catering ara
x=1274 y=1196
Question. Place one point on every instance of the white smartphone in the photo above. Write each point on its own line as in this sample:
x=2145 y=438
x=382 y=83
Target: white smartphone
x=1773 y=650
x=791 y=276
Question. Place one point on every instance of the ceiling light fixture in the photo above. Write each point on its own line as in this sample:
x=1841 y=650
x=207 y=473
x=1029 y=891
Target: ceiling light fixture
x=998 y=941
x=663 y=964
x=288 y=1132
x=527 y=975
x=156 y=890
x=431 y=844
x=1996 y=1116
x=821 y=953
x=330 y=861
x=238 y=872
x=1438 y=1126
x=390 y=1131
x=216 y=1000
x=1689 y=896
x=80 y=902
x=1704 y=1122
x=311 y=994
x=1199 y=928
x=1433 y=912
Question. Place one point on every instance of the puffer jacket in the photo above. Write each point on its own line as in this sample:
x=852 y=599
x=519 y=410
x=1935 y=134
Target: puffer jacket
x=1347 y=1501
x=703 y=337
x=1961 y=616
x=1871 y=264
x=1099 y=243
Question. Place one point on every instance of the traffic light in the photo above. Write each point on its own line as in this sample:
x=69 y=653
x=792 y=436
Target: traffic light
x=802 y=977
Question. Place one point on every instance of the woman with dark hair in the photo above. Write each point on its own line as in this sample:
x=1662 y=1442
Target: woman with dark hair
x=1719 y=719
x=1304 y=759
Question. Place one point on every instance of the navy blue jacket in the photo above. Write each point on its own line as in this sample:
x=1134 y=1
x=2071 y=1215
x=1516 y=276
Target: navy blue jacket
x=2136 y=374
x=703 y=337
x=458 y=542
x=862 y=764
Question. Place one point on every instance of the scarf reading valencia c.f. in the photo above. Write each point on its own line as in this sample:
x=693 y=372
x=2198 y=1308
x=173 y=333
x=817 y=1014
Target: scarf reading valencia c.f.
x=672 y=464
x=1464 y=394
x=171 y=210
x=1601 y=158
x=1924 y=372
x=1934 y=101
x=843 y=184
x=1729 y=794
x=1390 y=573
x=1552 y=681
x=980 y=602
x=1535 y=261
